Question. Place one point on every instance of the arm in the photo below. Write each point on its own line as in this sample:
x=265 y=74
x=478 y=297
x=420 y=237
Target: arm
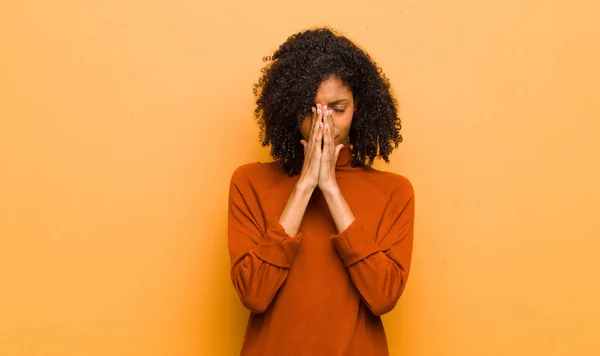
x=379 y=270
x=261 y=259
x=294 y=210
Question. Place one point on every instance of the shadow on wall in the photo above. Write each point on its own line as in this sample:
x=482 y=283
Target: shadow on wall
x=227 y=317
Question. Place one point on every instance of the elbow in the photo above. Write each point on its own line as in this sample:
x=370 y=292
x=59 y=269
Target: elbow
x=383 y=305
x=385 y=302
x=254 y=303
x=251 y=298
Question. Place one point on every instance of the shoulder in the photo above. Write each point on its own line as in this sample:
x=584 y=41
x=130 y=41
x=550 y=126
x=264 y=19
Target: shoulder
x=399 y=190
x=257 y=176
x=392 y=184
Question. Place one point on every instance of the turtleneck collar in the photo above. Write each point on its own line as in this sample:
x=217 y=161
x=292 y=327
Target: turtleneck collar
x=345 y=156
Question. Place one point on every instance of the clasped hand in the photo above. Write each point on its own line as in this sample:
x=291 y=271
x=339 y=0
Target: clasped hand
x=320 y=151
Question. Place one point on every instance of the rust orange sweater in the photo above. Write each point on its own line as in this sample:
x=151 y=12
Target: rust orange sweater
x=320 y=292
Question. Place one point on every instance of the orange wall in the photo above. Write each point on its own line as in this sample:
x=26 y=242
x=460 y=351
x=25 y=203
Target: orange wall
x=121 y=122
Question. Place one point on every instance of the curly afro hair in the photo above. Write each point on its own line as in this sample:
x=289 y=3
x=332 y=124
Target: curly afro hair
x=287 y=88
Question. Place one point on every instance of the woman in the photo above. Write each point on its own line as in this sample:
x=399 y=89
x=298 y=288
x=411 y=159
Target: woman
x=320 y=242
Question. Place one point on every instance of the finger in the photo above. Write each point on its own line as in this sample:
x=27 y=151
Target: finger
x=326 y=140
x=315 y=124
x=319 y=136
x=326 y=136
x=318 y=122
x=313 y=119
x=332 y=130
x=321 y=113
x=303 y=143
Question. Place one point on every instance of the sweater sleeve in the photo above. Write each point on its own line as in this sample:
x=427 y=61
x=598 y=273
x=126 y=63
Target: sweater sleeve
x=379 y=270
x=261 y=256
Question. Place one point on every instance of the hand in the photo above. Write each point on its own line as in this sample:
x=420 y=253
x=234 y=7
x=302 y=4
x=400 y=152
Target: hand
x=312 y=150
x=329 y=155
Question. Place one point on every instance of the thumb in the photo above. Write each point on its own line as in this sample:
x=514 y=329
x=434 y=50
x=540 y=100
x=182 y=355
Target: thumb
x=338 y=148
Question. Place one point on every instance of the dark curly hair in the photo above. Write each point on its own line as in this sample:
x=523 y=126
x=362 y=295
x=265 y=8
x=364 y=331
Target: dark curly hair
x=287 y=88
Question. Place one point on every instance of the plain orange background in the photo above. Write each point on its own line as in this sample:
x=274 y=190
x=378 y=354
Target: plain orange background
x=122 y=121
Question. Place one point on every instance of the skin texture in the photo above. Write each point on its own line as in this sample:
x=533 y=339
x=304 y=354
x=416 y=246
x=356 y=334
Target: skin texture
x=323 y=133
x=338 y=97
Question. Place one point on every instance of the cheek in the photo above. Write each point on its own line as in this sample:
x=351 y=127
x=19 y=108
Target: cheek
x=342 y=123
x=305 y=128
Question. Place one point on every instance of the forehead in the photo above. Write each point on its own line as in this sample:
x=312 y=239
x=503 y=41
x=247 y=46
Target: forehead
x=332 y=89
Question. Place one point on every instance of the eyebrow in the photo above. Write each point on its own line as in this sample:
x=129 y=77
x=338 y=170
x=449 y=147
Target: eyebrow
x=341 y=101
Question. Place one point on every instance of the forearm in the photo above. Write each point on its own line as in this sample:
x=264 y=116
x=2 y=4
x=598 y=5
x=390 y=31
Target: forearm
x=378 y=266
x=340 y=211
x=379 y=276
x=294 y=210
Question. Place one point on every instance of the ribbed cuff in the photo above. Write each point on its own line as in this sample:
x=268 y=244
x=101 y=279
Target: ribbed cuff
x=354 y=244
x=277 y=247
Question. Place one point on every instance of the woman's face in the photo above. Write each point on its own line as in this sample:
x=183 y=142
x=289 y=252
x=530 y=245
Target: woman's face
x=338 y=97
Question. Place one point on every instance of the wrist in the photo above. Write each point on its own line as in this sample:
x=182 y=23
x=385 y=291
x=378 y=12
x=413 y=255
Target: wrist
x=330 y=189
x=304 y=187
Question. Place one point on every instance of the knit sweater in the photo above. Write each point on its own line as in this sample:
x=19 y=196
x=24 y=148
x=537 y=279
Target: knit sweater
x=321 y=292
